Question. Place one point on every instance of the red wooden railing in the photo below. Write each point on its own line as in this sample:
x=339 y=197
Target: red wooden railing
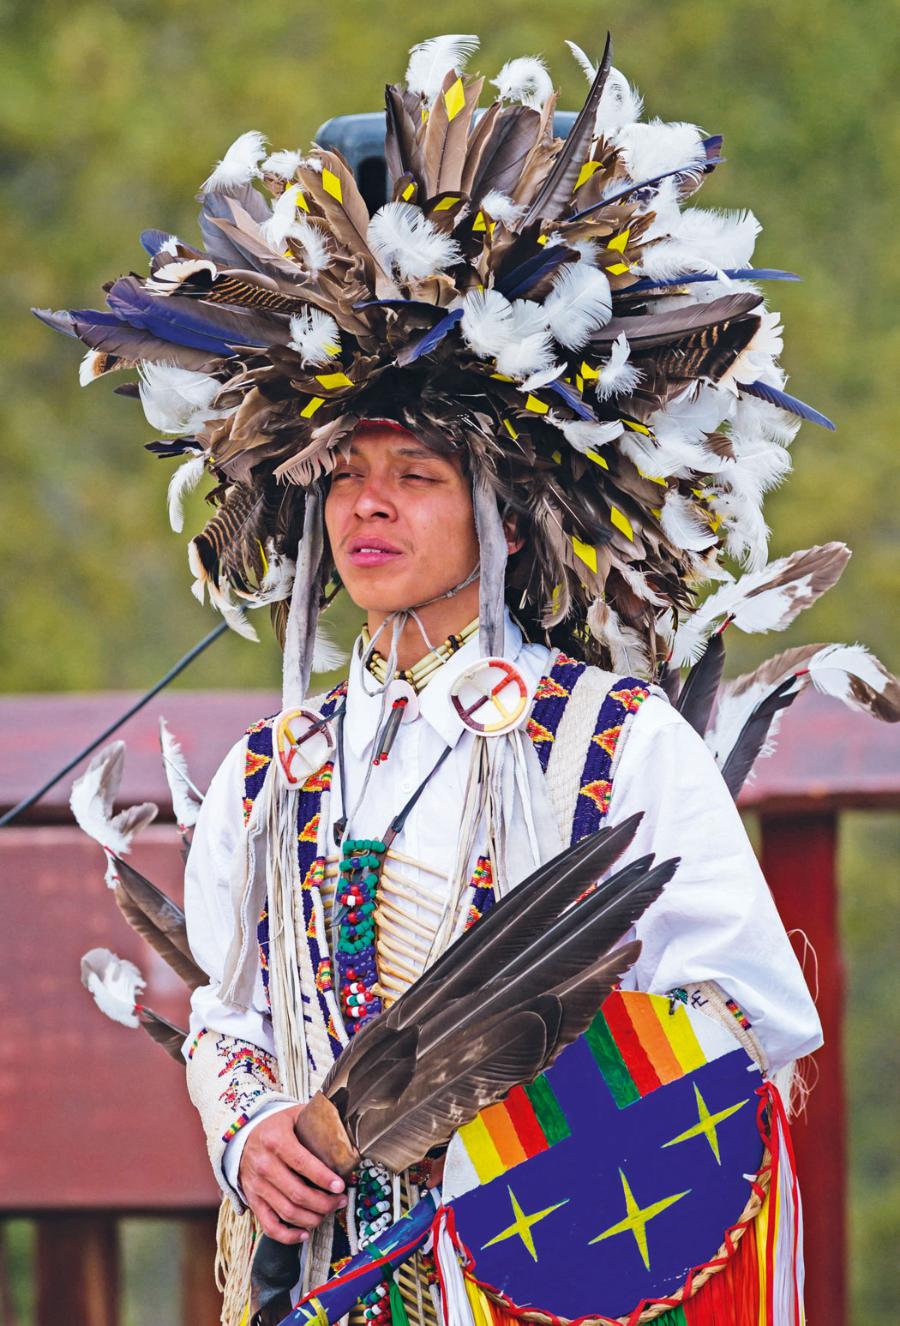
x=95 y=1121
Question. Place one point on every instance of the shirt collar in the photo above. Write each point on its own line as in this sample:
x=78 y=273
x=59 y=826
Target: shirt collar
x=435 y=708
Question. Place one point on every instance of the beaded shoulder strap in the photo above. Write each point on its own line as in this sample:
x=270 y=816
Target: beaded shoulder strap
x=553 y=694
x=309 y=802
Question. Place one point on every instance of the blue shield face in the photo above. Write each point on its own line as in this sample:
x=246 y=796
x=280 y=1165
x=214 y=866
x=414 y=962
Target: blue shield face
x=608 y=1180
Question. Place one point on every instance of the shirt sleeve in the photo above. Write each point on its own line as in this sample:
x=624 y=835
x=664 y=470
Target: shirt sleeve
x=209 y=909
x=716 y=919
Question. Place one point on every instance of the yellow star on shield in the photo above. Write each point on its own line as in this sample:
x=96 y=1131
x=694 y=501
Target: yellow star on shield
x=706 y=1125
x=637 y=1218
x=521 y=1226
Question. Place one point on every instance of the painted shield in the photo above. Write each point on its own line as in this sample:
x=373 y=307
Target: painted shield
x=614 y=1174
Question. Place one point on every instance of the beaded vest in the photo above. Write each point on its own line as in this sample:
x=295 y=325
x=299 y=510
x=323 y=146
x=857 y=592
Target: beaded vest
x=371 y=966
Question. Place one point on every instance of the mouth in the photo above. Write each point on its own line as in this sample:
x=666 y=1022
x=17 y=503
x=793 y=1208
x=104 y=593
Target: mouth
x=369 y=551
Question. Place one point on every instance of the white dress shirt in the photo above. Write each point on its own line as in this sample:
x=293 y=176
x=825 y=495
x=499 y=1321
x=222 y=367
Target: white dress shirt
x=715 y=920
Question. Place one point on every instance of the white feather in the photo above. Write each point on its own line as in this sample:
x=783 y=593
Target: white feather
x=529 y=347
x=284 y=216
x=313 y=242
x=430 y=62
x=186 y=798
x=170 y=246
x=403 y=239
x=588 y=67
x=620 y=105
x=315 y=336
x=115 y=984
x=93 y=796
x=183 y=482
x=220 y=596
x=653 y=148
x=618 y=377
x=766 y=600
x=282 y=164
x=831 y=668
x=579 y=303
x=88 y=369
x=239 y=165
x=485 y=322
x=177 y=400
x=327 y=654
x=500 y=207
x=684 y=523
x=524 y=80
x=585 y=436
x=538 y=380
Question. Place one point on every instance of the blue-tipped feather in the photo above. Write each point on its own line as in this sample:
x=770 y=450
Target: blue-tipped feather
x=432 y=338
x=572 y=399
x=785 y=402
x=164 y=317
x=693 y=278
x=153 y=240
x=520 y=280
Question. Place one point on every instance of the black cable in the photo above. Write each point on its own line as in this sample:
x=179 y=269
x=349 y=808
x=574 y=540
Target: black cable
x=138 y=704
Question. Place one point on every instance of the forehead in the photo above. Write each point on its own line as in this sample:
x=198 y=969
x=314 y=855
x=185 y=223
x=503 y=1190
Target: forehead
x=391 y=440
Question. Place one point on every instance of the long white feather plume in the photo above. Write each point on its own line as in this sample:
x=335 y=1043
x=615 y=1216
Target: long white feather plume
x=92 y=799
x=186 y=797
x=579 y=303
x=183 y=481
x=620 y=105
x=315 y=336
x=587 y=64
x=766 y=600
x=115 y=984
x=177 y=400
x=430 y=61
x=524 y=80
x=404 y=240
x=239 y=165
x=283 y=164
x=284 y=216
x=618 y=376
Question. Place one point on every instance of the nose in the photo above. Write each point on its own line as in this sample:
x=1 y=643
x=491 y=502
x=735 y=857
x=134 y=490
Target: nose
x=374 y=499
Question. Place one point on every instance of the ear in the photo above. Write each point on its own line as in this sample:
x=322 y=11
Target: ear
x=514 y=541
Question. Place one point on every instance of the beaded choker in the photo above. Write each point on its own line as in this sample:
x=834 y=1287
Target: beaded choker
x=422 y=672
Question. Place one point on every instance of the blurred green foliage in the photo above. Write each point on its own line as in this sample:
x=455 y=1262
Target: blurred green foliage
x=111 y=116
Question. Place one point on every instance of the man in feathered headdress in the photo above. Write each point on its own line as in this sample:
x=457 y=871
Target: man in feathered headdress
x=517 y=415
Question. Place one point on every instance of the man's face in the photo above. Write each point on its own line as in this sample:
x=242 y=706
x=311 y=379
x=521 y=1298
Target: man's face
x=399 y=520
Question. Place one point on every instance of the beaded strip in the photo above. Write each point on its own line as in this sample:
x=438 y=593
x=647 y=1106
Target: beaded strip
x=592 y=805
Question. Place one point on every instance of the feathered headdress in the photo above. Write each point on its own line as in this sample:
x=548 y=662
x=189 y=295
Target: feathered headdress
x=599 y=355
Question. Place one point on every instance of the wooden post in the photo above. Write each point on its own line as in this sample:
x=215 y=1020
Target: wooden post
x=799 y=861
x=201 y=1302
x=77 y=1265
